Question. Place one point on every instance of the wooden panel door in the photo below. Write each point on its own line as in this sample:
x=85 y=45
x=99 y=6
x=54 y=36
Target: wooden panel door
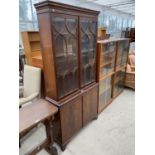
x=88 y=31
x=90 y=104
x=71 y=118
x=65 y=37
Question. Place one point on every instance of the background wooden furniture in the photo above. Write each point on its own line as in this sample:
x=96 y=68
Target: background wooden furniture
x=112 y=59
x=106 y=66
x=130 y=79
x=105 y=92
x=131 y=61
x=101 y=32
x=130 y=72
x=122 y=54
x=31 y=115
x=68 y=36
x=120 y=66
x=118 y=85
x=32 y=48
x=129 y=33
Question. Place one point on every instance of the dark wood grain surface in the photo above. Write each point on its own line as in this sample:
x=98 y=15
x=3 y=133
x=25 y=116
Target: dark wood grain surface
x=33 y=114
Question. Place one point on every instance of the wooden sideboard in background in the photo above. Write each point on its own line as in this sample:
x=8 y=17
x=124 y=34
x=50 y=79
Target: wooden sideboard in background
x=101 y=32
x=32 y=48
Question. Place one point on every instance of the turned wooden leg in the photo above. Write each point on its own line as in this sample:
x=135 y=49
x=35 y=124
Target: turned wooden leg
x=95 y=118
x=63 y=147
x=49 y=132
x=19 y=144
x=53 y=151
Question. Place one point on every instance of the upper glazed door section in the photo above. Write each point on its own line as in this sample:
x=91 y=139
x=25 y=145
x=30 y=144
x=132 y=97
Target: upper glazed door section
x=88 y=29
x=65 y=41
x=122 y=54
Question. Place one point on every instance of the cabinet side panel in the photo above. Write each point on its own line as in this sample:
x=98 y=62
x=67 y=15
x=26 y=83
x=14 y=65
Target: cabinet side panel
x=47 y=54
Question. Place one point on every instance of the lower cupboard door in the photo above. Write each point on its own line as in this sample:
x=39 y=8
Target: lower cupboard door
x=71 y=118
x=90 y=104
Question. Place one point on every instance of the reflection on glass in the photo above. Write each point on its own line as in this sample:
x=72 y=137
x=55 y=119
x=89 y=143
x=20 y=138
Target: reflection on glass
x=105 y=91
x=88 y=38
x=108 y=58
x=119 y=82
x=66 y=54
x=122 y=56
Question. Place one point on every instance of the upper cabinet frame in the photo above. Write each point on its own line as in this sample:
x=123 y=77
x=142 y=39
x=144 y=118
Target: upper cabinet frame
x=69 y=47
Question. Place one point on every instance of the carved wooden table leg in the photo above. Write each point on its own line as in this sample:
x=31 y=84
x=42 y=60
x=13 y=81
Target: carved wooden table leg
x=51 y=149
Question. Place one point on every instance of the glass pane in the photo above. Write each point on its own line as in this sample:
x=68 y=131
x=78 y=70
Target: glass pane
x=88 y=49
x=59 y=24
x=102 y=100
x=66 y=54
x=93 y=26
x=85 y=25
x=108 y=58
x=123 y=48
x=119 y=81
x=92 y=56
x=105 y=88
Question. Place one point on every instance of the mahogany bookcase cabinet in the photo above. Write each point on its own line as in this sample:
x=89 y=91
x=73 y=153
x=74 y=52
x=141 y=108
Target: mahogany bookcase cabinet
x=112 y=60
x=68 y=38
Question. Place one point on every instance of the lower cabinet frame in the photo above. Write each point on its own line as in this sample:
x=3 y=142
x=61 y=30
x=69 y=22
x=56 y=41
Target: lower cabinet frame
x=75 y=114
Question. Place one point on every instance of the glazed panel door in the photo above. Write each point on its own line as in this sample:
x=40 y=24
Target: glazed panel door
x=88 y=31
x=105 y=92
x=122 y=56
x=119 y=82
x=125 y=48
x=65 y=40
x=107 y=58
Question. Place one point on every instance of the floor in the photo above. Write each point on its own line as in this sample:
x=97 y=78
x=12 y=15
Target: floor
x=113 y=133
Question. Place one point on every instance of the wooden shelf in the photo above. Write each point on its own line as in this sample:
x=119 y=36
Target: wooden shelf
x=36 y=50
x=105 y=76
x=31 y=41
x=32 y=48
x=105 y=64
x=117 y=80
x=105 y=53
x=120 y=68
